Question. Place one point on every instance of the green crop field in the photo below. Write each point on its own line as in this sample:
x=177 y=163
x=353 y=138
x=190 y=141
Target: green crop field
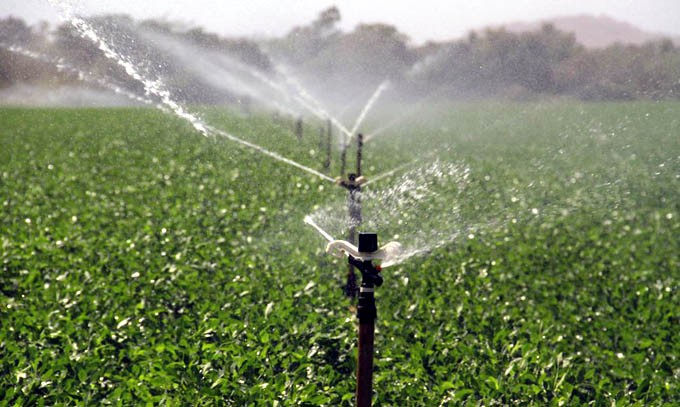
x=142 y=263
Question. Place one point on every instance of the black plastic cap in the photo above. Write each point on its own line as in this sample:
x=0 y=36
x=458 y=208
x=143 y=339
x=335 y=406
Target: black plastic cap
x=368 y=242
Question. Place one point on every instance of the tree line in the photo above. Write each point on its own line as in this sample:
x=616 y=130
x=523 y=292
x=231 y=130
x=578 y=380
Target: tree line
x=490 y=63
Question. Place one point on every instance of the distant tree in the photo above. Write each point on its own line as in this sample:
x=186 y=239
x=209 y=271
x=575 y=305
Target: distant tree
x=659 y=75
x=325 y=24
x=575 y=72
x=15 y=67
x=488 y=63
x=531 y=63
x=369 y=54
x=303 y=43
x=15 y=31
x=498 y=60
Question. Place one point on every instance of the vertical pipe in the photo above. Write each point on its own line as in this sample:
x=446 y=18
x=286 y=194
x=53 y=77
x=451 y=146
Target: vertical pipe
x=343 y=159
x=322 y=138
x=298 y=128
x=365 y=364
x=329 y=131
x=354 y=210
x=366 y=312
x=360 y=146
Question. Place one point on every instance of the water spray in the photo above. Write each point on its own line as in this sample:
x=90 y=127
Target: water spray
x=301 y=96
x=369 y=104
x=157 y=89
x=367 y=107
x=427 y=157
x=82 y=76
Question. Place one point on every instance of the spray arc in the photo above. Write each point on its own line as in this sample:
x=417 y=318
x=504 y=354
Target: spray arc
x=388 y=254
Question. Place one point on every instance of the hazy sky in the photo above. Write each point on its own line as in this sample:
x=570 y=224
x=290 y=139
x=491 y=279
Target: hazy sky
x=421 y=20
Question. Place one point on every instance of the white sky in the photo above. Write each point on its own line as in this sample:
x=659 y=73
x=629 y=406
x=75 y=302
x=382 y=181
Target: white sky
x=422 y=19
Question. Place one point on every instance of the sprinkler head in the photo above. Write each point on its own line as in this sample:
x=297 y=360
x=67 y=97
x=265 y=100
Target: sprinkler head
x=368 y=242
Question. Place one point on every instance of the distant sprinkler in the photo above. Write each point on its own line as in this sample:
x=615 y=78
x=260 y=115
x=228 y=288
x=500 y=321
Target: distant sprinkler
x=298 y=128
x=343 y=158
x=353 y=186
x=325 y=144
x=329 y=141
x=360 y=147
x=343 y=154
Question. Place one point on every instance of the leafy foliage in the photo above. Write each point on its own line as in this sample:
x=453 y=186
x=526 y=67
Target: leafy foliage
x=142 y=263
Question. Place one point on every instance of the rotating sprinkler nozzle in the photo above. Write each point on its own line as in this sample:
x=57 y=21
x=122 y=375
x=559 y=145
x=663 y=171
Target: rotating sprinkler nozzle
x=387 y=254
x=368 y=248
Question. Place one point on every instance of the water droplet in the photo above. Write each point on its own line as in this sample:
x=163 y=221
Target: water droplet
x=122 y=323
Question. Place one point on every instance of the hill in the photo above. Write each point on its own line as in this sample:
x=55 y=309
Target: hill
x=594 y=31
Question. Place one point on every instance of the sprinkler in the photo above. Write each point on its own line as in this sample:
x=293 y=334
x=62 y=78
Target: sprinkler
x=329 y=131
x=353 y=186
x=362 y=258
x=325 y=142
x=360 y=147
x=343 y=158
x=298 y=128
